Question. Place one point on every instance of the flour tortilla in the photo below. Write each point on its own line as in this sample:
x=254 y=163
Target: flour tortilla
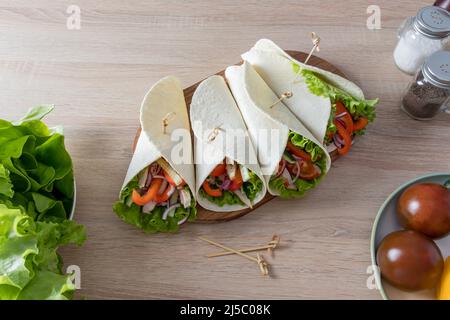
x=164 y=97
x=212 y=107
x=254 y=98
x=275 y=66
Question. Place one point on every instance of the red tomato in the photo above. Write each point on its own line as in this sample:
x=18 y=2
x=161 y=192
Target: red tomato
x=297 y=151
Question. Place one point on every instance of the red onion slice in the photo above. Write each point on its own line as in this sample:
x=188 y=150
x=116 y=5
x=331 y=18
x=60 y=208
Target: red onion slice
x=155 y=169
x=297 y=164
x=149 y=180
x=183 y=220
x=226 y=184
x=167 y=211
x=340 y=115
x=288 y=177
x=280 y=169
x=338 y=142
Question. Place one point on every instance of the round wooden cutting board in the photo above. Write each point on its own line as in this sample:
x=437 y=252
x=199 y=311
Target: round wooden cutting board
x=207 y=216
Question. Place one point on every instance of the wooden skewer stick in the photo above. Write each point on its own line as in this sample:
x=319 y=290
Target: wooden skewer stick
x=316 y=42
x=229 y=249
x=263 y=265
x=269 y=247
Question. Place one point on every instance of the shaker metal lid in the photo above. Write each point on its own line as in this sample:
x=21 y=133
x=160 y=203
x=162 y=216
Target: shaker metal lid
x=433 y=22
x=437 y=69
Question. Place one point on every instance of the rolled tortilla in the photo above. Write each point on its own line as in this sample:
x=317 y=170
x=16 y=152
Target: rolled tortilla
x=214 y=111
x=278 y=70
x=172 y=151
x=165 y=98
x=255 y=98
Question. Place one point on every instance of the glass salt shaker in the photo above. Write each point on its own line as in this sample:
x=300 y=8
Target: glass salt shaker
x=421 y=36
x=429 y=92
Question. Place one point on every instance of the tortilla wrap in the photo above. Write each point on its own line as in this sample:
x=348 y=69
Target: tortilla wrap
x=275 y=66
x=213 y=107
x=255 y=98
x=164 y=98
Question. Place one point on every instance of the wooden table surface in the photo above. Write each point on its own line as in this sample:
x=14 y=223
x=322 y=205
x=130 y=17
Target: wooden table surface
x=97 y=77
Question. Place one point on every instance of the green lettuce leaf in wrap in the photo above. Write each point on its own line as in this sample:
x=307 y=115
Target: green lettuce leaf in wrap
x=302 y=167
x=172 y=206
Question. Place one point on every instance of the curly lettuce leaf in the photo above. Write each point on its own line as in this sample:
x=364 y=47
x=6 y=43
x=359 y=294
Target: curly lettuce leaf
x=38 y=164
x=18 y=246
x=318 y=86
x=6 y=186
x=35 y=114
x=227 y=198
x=252 y=186
x=303 y=186
x=28 y=250
x=47 y=285
x=304 y=143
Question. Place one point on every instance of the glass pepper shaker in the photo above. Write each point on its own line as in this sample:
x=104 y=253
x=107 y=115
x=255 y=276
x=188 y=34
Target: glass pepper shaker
x=421 y=36
x=429 y=92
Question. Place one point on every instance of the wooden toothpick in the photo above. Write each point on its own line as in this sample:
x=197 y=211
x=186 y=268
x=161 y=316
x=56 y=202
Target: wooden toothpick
x=263 y=265
x=214 y=133
x=285 y=95
x=271 y=245
x=316 y=42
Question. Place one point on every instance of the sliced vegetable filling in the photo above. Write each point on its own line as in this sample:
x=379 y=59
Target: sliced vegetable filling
x=302 y=166
x=231 y=183
x=157 y=200
x=349 y=116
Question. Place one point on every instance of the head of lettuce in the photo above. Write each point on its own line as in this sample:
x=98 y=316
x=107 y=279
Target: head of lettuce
x=36 y=199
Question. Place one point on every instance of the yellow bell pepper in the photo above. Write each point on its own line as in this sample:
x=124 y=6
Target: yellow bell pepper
x=443 y=291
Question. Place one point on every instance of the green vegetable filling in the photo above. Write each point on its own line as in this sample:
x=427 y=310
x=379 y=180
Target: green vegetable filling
x=302 y=186
x=356 y=107
x=151 y=222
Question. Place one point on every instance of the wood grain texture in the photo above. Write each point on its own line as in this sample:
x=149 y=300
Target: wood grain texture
x=208 y=216
x=97 y=77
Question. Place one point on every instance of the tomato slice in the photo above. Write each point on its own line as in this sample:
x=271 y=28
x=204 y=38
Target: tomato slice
x=237 y=182
x=297 y=151
x=219 y=170
x=212 y=192
x=343 y=133
x=346 y=117
x=360 y=124
x=165 y=195
x=309 y=171
x=149 y=196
